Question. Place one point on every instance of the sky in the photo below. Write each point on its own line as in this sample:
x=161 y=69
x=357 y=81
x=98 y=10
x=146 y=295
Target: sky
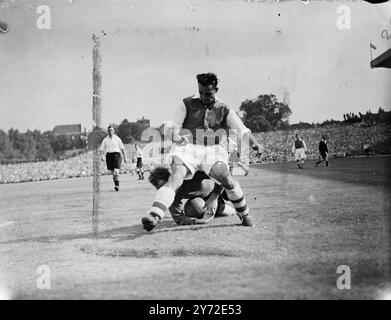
x=153 y=50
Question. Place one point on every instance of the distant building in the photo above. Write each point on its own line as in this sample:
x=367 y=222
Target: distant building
x=68 y=129
x=144 y=123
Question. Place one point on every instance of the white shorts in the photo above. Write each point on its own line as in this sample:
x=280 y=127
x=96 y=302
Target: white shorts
x=300 y=154
x=198 y=157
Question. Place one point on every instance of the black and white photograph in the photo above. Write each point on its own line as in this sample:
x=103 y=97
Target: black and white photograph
x=195 y=150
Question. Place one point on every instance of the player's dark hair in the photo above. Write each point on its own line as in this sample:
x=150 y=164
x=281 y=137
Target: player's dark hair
x=110 y=126
x=157 y=174
x=207 y=79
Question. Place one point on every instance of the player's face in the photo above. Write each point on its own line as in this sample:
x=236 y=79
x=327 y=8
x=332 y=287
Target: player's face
x=110 y=131
x=207 y=94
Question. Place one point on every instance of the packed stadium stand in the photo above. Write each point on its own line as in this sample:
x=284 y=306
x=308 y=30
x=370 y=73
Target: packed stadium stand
x=343 y=140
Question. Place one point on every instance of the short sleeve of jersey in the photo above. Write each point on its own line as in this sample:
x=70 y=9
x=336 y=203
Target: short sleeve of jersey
x=120 y=144
x=103 y=145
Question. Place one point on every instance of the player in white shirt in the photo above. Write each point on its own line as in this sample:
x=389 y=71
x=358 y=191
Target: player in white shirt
x=112 y=147
x=139 y=165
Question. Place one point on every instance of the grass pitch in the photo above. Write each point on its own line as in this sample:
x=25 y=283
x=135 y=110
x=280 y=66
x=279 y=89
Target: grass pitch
x=308 y=222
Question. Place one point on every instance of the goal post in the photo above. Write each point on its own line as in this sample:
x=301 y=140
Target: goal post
x=97 y=118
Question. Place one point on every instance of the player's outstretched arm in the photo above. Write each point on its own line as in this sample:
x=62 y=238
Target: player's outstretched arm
x=211 y=204
x=170 y=131
x=244 y=136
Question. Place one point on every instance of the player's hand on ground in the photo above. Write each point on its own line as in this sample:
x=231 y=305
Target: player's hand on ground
x=210 y=208
x=206 y=218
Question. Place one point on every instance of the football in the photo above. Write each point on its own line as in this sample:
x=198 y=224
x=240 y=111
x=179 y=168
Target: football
x=194 y=208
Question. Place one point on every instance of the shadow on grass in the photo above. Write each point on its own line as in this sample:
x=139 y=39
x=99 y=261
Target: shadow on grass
x=122 y=233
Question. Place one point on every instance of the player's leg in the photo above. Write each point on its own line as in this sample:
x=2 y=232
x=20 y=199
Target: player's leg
x=320 y=159
x=116 y=179
x=110 y=162
x=220 y=172
x=165 y=196
x=224 y=210
x=302 y=157
x=139 y=173
x=231 y=161
x=228 y=211
x=246 y=170
x=116 y=167
x=297 y=158
x=138 y=168
x=231 y=168
x=142 y=172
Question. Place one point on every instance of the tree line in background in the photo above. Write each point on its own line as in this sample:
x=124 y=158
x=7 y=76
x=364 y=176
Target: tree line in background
x=264 y=113
x=35 y=145
x=365 y=120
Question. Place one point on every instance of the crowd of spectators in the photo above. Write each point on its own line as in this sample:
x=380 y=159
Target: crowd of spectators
x=47 y=170
x=342 y=140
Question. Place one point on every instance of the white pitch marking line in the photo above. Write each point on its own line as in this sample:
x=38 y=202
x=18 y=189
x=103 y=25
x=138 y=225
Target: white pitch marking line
x=6 y=223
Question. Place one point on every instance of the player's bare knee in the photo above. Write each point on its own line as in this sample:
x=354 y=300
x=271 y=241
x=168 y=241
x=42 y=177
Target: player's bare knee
x=221 y=173
x=228 y=182
x=219 y=168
